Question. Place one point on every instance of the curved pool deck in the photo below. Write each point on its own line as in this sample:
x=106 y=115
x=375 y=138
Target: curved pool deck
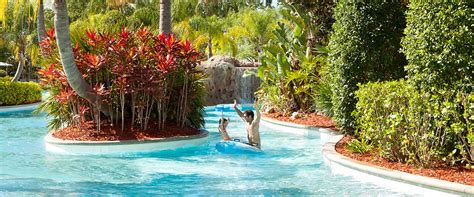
x=292 y=164
x=60 y=146
x=23 y=107
x=341 y=163
x=296 y=129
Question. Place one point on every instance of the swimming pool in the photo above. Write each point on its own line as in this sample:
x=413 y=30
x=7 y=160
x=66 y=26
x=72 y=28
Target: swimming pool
x=291 y=165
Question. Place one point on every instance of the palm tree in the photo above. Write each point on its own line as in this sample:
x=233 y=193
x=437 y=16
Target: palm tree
x=212 y=31
x=74 y=76
x=254 y=27
x=165 y=16
x=20 y=43
x=40 y=21
x=17 y=24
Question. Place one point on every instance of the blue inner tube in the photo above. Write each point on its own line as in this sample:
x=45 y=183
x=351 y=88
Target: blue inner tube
x=232 y=147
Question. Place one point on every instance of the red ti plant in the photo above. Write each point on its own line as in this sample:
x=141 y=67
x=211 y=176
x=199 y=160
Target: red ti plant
x=140 y=75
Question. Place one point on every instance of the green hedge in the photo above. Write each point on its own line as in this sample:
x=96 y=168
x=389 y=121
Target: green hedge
x=439 y=43
x=15 y=93
x=364 y=47
x=414 y=126
x=6 y=79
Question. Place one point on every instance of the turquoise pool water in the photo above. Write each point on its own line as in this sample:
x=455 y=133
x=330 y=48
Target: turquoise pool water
x=291 y=165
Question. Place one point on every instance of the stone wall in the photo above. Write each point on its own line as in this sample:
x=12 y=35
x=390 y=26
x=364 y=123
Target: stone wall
x=225 y=80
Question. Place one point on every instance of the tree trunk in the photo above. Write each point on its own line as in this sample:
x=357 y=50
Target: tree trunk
x=29 y=65
x=19 y=70
x=209 y=46
x=165 y=16
x=74 y=76
x=40 y=22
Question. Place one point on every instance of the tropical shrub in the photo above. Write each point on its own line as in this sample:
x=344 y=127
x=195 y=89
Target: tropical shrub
x=289 y=73
x=252 y=29
x=3 y=73
x=359 y=146
x=141 y=77
x=6 y=79
x=321 y=18
x=364 y=47
x=16 y=93
x=413 y=126
x=470 y=138
x=323 y=93
x=439 y=44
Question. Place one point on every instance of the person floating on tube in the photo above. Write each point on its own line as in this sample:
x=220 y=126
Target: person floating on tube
x=252 y=120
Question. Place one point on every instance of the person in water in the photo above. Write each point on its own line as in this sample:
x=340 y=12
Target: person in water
x=253 y=124
x=223 y=122
x=252 y=121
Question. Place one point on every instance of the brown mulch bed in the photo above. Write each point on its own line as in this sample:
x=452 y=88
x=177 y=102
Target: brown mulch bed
x=310 y=119
x=113 y=133
x=458 y=174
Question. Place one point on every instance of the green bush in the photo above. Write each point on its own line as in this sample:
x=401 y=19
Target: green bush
x=408 y=125
x=147 y=16
x=3 y=73
x=357 y=146
x=439 y=43
x=470 y=138
x=6 y=79
x=15 y=93
x=364 y=47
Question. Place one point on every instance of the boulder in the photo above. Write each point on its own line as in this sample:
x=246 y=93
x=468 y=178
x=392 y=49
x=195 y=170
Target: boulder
x=225 y=81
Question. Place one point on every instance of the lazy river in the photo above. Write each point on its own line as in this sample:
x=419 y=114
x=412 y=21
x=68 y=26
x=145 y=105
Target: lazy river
x=290 y=165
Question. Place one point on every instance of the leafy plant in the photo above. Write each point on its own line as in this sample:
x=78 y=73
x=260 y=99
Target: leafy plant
x=357 y=146
x=438 y=45
x=6 y=79
x=15 y=93
x=364 y=47
x=141 y=76
x=470 y=138
x=413 y=126
x=289 y=73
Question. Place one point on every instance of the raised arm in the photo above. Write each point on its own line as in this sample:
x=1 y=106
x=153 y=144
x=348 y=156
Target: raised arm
x=238 y=111
x=257 y=112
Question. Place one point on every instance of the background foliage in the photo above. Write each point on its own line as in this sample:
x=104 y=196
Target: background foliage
x=439 y=45
x=16 y=93
x=413 y=126
x=364 y=47
x=290 y=69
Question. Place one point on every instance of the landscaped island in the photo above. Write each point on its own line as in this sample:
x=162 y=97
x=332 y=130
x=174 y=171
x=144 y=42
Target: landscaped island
x=145 y=86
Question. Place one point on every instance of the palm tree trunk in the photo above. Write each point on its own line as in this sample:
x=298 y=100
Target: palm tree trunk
x=29 y=65
x=209 y=46
x=40 y=22
x=74 y=76
x=19 y=70
x=165 y=16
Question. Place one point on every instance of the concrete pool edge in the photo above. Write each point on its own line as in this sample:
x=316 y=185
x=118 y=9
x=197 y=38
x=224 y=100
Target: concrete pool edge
x=329 y=152
x=60 y=146
x=12 y=108
x=292 y=128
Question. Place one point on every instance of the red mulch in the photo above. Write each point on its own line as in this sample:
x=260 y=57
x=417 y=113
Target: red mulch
x=310 y=119
x=113 y=133
x=458 y=174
